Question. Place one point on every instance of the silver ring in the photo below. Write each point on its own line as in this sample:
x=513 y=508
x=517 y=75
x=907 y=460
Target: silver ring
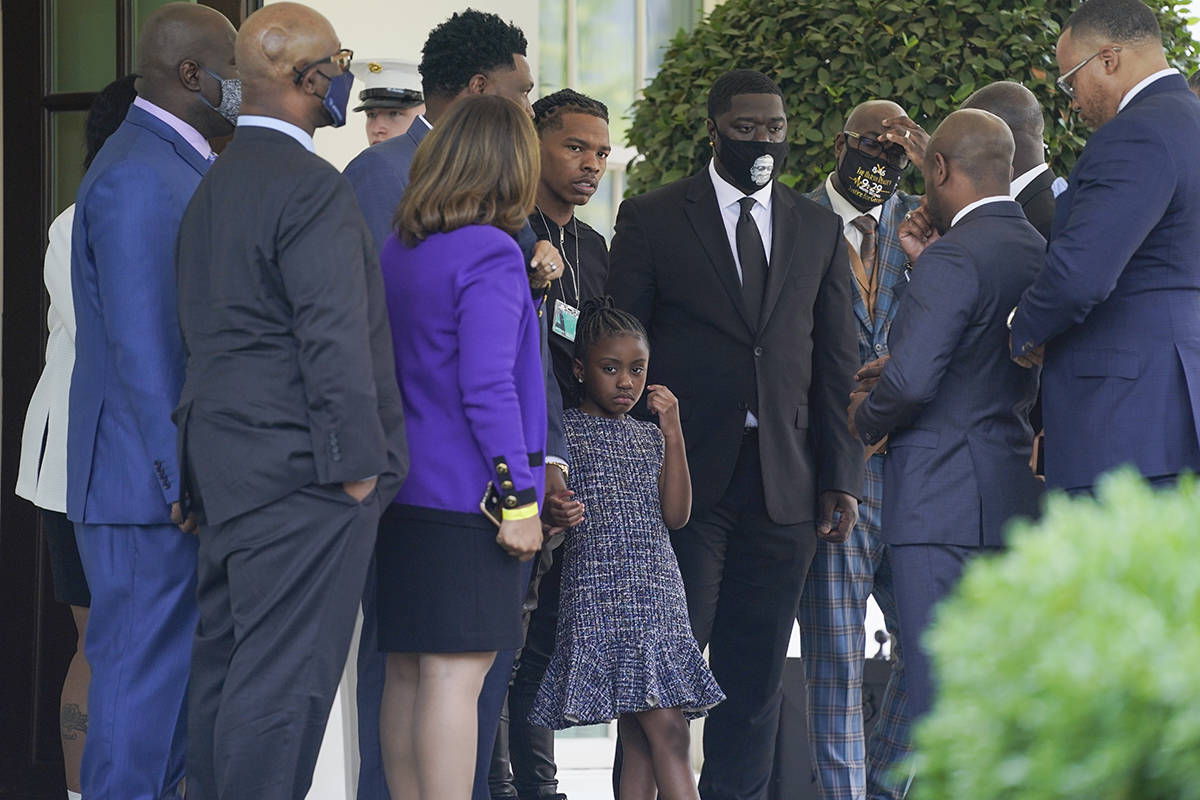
x=908 y=134
x=908 y=215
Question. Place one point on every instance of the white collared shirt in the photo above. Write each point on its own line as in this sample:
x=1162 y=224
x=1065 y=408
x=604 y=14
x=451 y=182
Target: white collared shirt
x=1025 y=178
x=846 y=210
x=1142 y=84
x=983 y=201
x=275 y=124
x=728 y=200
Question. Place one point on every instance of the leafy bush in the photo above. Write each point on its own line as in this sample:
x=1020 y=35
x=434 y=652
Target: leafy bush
x=1070 y=666
x=830 y=55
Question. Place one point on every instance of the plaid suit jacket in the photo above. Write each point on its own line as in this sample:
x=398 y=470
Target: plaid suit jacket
x=873 y=332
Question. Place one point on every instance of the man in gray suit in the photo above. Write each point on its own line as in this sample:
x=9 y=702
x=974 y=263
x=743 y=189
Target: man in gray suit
x=290 y=419
x=953 y=404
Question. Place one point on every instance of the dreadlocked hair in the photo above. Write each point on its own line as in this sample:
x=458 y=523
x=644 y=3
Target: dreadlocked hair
x=599 y=319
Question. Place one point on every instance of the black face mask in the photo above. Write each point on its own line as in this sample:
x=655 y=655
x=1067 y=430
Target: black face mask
x=751 y=165
x=867 y=181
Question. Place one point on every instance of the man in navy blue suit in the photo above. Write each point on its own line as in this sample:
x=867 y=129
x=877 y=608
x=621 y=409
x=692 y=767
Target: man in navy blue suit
x=1116 y=311
x=952 y=405
x=471 y=53
x=123 y=486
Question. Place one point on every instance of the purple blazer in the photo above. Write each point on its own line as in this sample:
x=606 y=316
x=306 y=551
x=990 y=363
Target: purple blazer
x=468 y=361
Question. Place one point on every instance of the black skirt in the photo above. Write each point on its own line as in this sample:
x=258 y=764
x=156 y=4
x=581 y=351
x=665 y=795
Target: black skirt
x=444 y=584
x=70 y=584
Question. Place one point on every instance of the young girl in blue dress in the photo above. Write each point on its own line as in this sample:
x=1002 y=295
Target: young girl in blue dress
x=624 y=647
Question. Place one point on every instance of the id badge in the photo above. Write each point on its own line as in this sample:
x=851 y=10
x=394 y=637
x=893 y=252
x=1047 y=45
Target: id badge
x=566 y=317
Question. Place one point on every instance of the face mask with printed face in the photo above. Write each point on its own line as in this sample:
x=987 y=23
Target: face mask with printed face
x=868 y=181
x=752 y=165
x=231 y=98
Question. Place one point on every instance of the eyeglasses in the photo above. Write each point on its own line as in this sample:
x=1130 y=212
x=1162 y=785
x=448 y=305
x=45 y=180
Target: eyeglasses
x=893 y=153
x=1063 y=83
x=341 y=59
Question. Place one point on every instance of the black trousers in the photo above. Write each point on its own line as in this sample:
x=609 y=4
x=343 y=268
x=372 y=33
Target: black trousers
x=279 y=589
x=743 y=575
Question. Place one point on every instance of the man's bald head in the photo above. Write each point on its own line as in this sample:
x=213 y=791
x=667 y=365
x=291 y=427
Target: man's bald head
x=977 y=143
x=1020 y=110
x=968 y=158
x=868 y=117
x=279 y=37
x=182 y=50
x=1013 y=103
x=177 y=32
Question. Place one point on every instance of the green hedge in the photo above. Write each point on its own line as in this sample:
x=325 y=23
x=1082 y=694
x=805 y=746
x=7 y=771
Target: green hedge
x=830 y=55
x=1070 y=666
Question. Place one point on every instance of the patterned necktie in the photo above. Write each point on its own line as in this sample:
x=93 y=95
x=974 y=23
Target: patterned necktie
x=753 y=258
x=864 y=271
x=866 y=250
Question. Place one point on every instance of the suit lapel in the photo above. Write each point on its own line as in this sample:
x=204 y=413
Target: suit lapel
x=891 y=258
x=162 y=130
x=1038 y=184
x=705 y=217
x=785 y=224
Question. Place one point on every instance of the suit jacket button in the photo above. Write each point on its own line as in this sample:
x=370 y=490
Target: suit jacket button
x=506 y=486
x=742 y=406
x=510 y=502
x=758 y=351
x=502 y=468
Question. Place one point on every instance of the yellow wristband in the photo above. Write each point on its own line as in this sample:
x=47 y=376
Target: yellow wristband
x=524 y=512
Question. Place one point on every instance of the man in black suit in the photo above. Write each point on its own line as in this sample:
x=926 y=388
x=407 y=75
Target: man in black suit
x=290 y=420
x=1032 y=179
x=744 y=287
x=951 y=402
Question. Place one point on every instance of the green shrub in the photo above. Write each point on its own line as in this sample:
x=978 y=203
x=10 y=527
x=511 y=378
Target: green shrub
x=830 y=55
x=1069 y=667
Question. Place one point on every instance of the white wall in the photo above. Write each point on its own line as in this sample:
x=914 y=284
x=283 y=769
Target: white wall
x=392 y=29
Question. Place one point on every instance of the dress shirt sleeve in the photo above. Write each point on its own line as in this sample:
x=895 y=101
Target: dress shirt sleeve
x=631 y=274
x=937 y=308
x=321 y=258
x=1118 y=194
x=492 y=296
x=131 y=230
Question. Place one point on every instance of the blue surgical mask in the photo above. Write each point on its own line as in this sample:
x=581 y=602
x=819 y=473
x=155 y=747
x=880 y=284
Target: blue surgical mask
x=231 y=98
x=337 y=97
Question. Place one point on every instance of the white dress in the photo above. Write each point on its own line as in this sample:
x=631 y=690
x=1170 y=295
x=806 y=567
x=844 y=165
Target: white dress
x=44 y=482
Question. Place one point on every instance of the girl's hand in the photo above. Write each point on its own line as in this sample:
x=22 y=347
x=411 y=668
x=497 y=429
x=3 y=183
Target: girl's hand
x=665 y=405
x=562 y=511
x=521 y=538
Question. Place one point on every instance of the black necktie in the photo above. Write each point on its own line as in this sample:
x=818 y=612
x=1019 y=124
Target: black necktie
x=753 y=258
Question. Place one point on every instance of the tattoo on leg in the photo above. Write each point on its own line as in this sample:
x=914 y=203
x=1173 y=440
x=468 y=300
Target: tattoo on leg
x=73 y=722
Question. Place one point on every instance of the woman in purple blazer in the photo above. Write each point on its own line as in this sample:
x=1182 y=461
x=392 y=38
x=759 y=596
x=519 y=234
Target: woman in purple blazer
x=466 y=339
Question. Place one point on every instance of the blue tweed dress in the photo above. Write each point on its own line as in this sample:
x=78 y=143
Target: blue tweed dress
x=624 y=643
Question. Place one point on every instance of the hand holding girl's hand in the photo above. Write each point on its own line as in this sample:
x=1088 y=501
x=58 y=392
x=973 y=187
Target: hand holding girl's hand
x=521 y=538
x=562 y=511
x=663 y=403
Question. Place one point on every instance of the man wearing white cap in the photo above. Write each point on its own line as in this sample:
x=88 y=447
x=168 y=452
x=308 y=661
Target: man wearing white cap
x=392 y=98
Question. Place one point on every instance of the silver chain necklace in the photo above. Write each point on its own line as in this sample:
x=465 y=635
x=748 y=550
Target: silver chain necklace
x=562 y=247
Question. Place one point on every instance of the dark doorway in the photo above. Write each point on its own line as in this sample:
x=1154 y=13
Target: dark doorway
x=56 y=55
